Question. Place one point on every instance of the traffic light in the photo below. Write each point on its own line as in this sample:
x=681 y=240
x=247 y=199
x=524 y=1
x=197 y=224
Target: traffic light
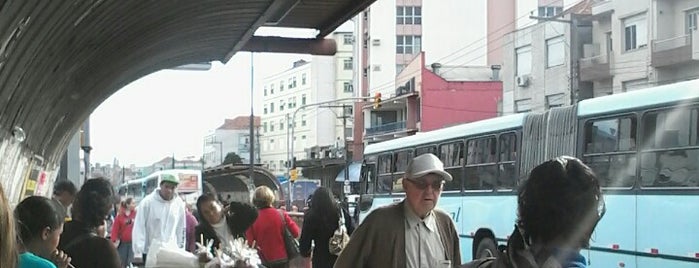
x=377 y=100
x=293 y=175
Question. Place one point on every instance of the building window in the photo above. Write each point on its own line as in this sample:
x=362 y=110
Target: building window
x=408 y=15
x=290 y=104
x=523 y=60
x=281 y=124
x=291 y=85
x=347 y=39
x=691 y=20
x=303 y=120
x=303 y=99
x=555 y=51
x=303 y=79
x=271 y=128
x=348 y=63
x=548 y=11
x=408 y=44
x=556 y=100
x=264 y=127
x=281 y=86
x=265 y=109
x=523 y=106
x=281 y=105
x=635 y=32
x=271 y=107
x=347 y=87
x=271 y=89
x=294 y=101
x=293 y=82
x=265 y=90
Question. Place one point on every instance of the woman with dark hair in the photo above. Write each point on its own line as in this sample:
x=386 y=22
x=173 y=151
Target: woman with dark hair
x=80 y=238
x=121 y=231
x=558 y=209
x=40 y=224
x=222 y=224
x=319 y=224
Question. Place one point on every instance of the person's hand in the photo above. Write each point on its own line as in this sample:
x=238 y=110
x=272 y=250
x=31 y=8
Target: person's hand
x=204 y=257
x=60 y=259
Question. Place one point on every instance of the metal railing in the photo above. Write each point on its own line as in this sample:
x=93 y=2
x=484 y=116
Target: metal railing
x=594 y=60
x=385 y=128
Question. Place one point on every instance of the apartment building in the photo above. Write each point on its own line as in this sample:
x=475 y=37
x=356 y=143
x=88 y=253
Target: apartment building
x=637 y=44
x=232 y=136
x=317 y=128
x=391 y=36
x=540 y=60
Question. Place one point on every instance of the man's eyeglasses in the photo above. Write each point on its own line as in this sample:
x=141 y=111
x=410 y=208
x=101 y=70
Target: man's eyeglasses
x=422 y=185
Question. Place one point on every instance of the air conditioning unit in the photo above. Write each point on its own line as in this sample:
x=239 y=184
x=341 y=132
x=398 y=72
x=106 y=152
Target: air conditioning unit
x=523 y=80
x=375 y=42
x=376 y=67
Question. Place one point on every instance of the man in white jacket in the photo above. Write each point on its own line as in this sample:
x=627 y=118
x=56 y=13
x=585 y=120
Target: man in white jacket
x=161 y=216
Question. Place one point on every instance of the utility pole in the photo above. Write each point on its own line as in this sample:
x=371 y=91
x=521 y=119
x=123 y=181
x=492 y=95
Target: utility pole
x=346 y=185
x=252 y=119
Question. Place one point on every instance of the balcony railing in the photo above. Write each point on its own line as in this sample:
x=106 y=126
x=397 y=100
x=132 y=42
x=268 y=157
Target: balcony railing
x=595 y=67
x=671 y=51
x=671 y=43
x=602 y=8
x=385 y=128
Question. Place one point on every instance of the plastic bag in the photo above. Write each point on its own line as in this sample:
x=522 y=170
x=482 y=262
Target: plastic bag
x=168 y=255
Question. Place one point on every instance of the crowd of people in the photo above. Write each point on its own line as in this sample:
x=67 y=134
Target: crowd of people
x=559 y=206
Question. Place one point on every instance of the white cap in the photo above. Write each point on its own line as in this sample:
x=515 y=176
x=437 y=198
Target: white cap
x=425 y=164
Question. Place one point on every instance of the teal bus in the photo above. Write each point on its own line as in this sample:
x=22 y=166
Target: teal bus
x=643 y=145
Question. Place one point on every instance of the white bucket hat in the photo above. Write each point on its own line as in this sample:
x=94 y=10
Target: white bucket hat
x=425 y=164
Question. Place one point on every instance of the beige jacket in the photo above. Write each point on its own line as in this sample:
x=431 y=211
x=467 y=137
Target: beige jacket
x=380 y=240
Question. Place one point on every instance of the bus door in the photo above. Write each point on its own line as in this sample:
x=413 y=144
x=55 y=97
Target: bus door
x=366 y=195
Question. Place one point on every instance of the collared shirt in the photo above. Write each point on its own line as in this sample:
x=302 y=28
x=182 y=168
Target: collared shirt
x=423 y=246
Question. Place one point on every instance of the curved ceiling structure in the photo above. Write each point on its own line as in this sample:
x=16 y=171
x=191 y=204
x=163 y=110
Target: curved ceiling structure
x=60 y=59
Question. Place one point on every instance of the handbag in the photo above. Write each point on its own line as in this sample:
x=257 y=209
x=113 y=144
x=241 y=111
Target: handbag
x=338 y=241
x=290 y=243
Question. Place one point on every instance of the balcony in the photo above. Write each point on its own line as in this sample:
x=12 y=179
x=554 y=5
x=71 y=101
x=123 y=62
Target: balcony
x=596 y=66
x=602 y=8
x=674 y=50
x=386 y=128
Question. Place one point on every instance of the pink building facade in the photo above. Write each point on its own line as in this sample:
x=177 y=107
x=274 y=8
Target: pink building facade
x=427 y=99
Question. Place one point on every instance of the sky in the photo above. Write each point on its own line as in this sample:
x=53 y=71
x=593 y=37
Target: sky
x=169 y=112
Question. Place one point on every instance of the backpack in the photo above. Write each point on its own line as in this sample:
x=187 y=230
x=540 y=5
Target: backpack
x=338 y=241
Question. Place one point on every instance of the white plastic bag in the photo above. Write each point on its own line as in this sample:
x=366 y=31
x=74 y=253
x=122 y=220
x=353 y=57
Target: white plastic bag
x=168 y=255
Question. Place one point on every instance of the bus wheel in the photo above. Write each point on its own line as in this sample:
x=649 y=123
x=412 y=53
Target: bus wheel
x=486 y=248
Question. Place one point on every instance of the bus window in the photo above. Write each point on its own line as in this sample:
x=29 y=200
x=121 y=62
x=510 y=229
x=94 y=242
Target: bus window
x=426 y=150
x=481 y=168
x=671 y=148
x=384 y=181
x=508 y=156
x=402 y=159
x=452 y=155
x=610 y=146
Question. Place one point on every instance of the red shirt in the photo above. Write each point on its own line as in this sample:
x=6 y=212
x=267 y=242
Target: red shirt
x=268 y=236
x=122 y=227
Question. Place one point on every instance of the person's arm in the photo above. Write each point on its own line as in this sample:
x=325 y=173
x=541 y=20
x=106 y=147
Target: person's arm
x=349 y=223
x=291 y=224
x=182 y=228
x=116 y=228
x=306 y=237
x=138 y=234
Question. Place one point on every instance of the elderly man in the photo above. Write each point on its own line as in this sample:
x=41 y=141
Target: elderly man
x=410 y=233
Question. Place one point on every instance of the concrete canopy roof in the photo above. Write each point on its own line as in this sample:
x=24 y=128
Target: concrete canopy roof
x=60 y=59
